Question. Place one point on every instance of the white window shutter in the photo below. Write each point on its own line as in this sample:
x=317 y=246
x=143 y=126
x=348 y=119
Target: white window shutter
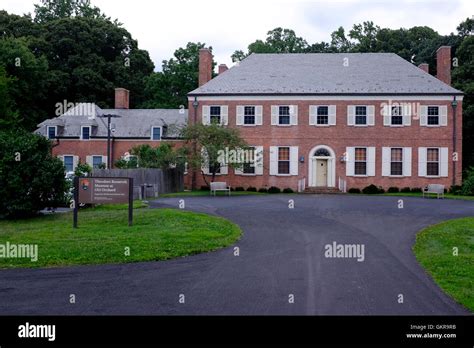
x=258 y=115
x=332 y=115
x=239 y=115
x=105 y=161
x=371 y=161
x=75 y=162
x=273 y=160
x=350 y=115
x=206 y=114
x=350 y=156
x=386 y=160
x=443 y=115
x=313 y=109
x=89 y=160
x=406 y=110
x=423 y=115
x=294 y=114
x=370 y=115
x=204 y=161
x=443 y=161
x=386 y=115
x=422 y=161
x=224 y=115
x=238 y=171
x=406 y=161
x=259 y=160
x=294 y=160
x=275 y=114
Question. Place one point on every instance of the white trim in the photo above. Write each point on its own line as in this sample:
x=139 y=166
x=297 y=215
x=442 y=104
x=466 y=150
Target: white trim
x=331 y=166
x=381 y=98
x=90 y=132
x=151 y=133
x=55 y=131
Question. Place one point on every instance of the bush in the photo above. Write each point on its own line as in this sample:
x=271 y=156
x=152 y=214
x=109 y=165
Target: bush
x=393 y=190
x=263 y=190
x=251 y=189
x=370 y=190
x=239 y=188
x=205 y=188
x=354 y=190
x=405 y=190
x=83 y=169
x=381 y=189
x=416 y=190
x=274 y=189
x=455 y=189
x=288 y=190
x=468 y=183
x=31 y=179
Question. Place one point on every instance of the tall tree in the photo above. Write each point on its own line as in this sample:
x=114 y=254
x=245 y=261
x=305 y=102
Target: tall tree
x=169 y=87
x=50 y=10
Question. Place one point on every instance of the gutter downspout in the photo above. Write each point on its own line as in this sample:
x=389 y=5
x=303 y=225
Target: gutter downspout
x=195 y=107
x=454 y=104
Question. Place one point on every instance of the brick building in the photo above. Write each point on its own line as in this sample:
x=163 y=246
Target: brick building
x=80 y=134
x=336 y=120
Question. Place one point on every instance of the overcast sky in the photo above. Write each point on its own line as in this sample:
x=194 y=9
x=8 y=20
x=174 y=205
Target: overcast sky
x=162 y=26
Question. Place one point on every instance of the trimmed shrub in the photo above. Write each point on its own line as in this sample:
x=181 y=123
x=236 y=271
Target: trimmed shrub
x=251 y=189
x=370 y=190
x=274 y=189
x=405 y=190
x=288 y=190
x=455 y=189
x=263 y=190
x=468 y=183
x=393 y=190
x=381 y=189
x=239 y=188
x=205 y=188
x=354 y=190
x=416 y=190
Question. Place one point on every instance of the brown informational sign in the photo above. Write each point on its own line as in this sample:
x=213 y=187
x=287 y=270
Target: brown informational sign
x=103 y=191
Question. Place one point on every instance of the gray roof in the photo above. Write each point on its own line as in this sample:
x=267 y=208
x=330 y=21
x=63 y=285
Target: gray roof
x=325 y=74
x=132 y=123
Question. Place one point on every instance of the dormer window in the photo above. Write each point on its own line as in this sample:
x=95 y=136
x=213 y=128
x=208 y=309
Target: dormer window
x=155 y=133
x=85 y=132
x=52 y=132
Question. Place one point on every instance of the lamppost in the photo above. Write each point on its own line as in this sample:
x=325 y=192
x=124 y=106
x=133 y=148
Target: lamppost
x=454 y=105
x=109 y=116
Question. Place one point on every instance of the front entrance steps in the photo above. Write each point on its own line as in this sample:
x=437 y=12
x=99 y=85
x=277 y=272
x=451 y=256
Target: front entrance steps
x=322 y=190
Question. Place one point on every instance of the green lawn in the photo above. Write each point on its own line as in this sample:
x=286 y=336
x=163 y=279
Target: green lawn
x=446 y=195
x=434 y=250
x=199 y=193
x=103 y=236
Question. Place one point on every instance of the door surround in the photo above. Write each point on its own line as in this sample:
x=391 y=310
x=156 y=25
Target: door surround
x=331 y=165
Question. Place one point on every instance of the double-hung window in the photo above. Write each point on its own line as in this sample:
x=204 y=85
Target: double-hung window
x=249 y=115
x=360 y=161
x=69 y=163
x=361 y=115
x=51 y=132
x=322 y=116
x=396 y=161
x=432 y=161
x=397 y=115
x=215 y=114
x=284 y=115
x=85 y=133
x=283 y=160
x=433 y=116
x=155 y=133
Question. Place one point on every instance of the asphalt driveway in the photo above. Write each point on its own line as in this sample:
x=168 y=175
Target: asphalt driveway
x=281 y=258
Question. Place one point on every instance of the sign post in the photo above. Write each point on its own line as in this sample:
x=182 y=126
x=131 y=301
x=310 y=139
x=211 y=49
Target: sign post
x=103 y=190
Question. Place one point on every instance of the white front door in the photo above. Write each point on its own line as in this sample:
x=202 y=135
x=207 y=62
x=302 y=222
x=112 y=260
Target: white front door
x=321 y=172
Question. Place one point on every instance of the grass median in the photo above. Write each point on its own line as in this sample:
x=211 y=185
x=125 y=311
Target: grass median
x=104 y=237
x=434 y=250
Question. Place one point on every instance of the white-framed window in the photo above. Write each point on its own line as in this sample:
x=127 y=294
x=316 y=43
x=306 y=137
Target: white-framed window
x=207 y=167
x=52 y=132
x=96 y=161
x=433 y=115
x=433 y=161
x=322 y=115
x=397 y=114
x=361 y=115
x=156 y=133
x=255 y=165
x=360 y=161
x=86 y=132
x=396 y=161
x=284 y=115
x=249 y=115
x=284 y=160
x=215 y=114
x=70 y=162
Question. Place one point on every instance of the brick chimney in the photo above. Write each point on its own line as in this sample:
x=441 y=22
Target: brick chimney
x=205 y=66
x=222 y=68
x=425 y=67
x=443 y=64
x=122 y=97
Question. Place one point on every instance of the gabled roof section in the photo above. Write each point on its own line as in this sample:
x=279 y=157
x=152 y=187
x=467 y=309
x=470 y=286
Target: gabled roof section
x=325 y=74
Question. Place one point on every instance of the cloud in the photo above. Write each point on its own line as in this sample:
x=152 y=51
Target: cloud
x=161 y=27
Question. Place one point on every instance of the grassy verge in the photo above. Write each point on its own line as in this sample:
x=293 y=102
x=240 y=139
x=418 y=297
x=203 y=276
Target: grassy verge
x=419 y=194
x=199 y=193
x=103 y=236
x=434 y=250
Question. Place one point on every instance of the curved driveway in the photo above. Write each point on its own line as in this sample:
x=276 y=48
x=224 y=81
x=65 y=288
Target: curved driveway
x=281 y=256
